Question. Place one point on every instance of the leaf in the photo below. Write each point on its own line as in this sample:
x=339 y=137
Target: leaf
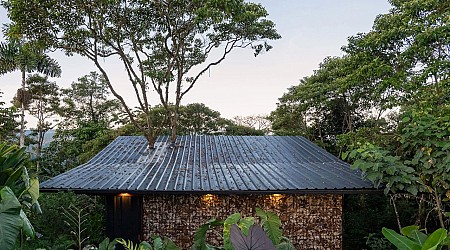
x=400 y=241
x=413 y=233
x=245 y=224
x=255 y=240
x=169 y=244
x=104 y=244
x=144 y=245
x=157 y=243
x=33 y=190
x=10 y=220
x=231 y=220
x=435 y=239
x=200 y=233
x=28 y=229
x=406 y=231
x=344 y=155
x=271 y=224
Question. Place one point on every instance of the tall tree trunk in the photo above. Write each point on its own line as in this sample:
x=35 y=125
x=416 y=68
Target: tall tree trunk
x=150 y=140
x=174 y=125
x=22 y=115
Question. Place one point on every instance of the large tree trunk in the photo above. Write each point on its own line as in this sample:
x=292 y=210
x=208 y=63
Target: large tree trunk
x=22 y=115
x=151 y=139
x=174 y=125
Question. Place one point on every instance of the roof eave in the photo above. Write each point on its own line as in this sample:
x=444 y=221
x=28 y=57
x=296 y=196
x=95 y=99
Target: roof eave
x=224 y=192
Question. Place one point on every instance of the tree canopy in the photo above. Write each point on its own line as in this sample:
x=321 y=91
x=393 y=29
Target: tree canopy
x=164 y=45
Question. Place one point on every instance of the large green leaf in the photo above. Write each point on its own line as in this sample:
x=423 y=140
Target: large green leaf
x=107 y=245
x=231 y=220
x=169 y=244
x=413 y=233
x=10 y=221
x=435 y=239
x=245 y=224
x=27 y=227
x=33 y=190
x=271 y=224
x=200 y=234
x=400 y=241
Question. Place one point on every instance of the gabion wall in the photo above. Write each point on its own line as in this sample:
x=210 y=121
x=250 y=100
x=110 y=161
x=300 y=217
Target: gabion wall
x=310 y=221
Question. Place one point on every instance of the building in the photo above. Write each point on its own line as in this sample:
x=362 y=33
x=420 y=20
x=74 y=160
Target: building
x=174 y=188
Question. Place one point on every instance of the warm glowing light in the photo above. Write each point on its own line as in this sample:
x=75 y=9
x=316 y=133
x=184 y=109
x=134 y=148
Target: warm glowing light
x=276 y=198
x=124 y=194
x=209 y=199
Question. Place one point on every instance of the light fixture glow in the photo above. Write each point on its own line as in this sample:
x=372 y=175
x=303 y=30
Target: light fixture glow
x=124 y=194
x=276 y=198
x=209 y=199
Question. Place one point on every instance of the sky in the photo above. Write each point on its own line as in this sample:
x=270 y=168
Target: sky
x=245 y=85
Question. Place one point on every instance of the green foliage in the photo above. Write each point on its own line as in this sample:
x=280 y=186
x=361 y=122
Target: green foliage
x=57 y=234
x=26 y=57
x=8 y=123
x=10 y=219
x=374 y=242
x=270 y=222
x=106 y=244
x=14 y=176
x=420 y=163
x=412 y=238
x=159 y=243
x=158 y=41
x=200 y=235
x=87 y=102
x=75 y=219
x=365 y=214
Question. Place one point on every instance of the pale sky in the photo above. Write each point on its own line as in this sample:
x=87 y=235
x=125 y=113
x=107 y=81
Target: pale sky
x=243 y=84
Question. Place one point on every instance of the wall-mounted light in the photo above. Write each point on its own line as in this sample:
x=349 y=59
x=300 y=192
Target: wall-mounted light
x=276 y=199
x=210 y=199
x=124 y=194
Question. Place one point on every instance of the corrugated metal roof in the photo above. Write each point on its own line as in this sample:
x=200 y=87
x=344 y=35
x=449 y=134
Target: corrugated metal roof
x=211 y=164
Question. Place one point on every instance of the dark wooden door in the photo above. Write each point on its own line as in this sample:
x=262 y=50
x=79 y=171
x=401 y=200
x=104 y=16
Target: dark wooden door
x=124 y=217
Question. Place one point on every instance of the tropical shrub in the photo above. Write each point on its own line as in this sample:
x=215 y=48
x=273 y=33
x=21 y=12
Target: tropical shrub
x=236 y=232
x=19 y=193
x=411 y=238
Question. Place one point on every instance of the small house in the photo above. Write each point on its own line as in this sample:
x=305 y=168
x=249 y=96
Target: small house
x=172 y=189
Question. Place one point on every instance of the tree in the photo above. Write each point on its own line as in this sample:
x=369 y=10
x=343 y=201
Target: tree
x=259 y=122
x=8 y=123
x=44 y=105
x=196 y=118
x=26 y=57
x=420 y=164
x=87 y=115
x=164 y=45
x=88 y=101
x=411 y=44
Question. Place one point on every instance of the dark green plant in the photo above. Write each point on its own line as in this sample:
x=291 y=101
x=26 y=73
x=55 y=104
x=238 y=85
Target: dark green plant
x=10 y=219
x=269 y=221
x=75 y=219
x=57 y=235
x=159 y=243
x=14 y=180
x=411 y=238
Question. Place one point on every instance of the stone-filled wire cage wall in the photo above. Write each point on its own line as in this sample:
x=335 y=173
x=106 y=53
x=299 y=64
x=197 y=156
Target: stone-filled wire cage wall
x=311 y=221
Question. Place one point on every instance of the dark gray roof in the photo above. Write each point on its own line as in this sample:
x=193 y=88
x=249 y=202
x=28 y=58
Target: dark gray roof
x=211 y=164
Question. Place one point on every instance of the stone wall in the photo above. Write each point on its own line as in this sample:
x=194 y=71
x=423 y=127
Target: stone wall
x=310 y=221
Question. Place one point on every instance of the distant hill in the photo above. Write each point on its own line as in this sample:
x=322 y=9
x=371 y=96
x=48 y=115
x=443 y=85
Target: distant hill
x=48 y=137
